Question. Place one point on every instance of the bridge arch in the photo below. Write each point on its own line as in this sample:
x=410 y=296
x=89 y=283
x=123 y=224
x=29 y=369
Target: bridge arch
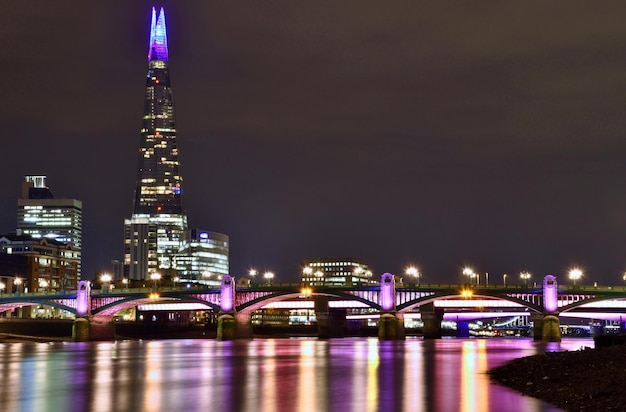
x=591 y=299
x=26 y=301
x=112 y=308
x=424 y=300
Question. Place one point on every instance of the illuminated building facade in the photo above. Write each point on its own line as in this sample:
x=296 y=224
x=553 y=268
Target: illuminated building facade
x=42 y=216
x=157 y=229
x=204 y=259
x=336 y=272
x=41 y=265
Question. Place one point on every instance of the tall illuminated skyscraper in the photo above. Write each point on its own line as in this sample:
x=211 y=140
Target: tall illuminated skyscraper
x=157 y=230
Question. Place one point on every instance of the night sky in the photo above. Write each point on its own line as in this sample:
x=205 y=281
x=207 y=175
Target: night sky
x=488 y=134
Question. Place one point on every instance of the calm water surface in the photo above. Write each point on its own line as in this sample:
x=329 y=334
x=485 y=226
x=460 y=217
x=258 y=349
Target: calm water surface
x=265 y=375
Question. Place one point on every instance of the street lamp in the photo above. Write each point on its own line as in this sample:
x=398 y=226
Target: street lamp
x=504 y=279
x=269 y=276
x=467 y=271
x=105 y=279
x=2 y=287
x=413 y=271
x=175 y=280
x=125 y=282
x=155 y=278
x=525 y=276
x=43 y=284
x=575 y=274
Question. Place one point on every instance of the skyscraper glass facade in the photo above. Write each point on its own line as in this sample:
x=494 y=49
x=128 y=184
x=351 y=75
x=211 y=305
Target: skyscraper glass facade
x=157 y=237
x=42 y=216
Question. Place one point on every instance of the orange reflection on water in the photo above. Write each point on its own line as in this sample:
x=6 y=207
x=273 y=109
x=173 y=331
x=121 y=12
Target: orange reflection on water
x=372 y=374
x=102 y=368
x=307 y=383
x=474 y=391
x=152 y=398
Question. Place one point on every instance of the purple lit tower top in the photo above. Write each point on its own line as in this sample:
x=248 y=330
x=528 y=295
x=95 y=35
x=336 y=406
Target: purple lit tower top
x=158 y=37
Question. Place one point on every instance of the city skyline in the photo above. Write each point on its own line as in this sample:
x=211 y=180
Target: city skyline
x=436 y=136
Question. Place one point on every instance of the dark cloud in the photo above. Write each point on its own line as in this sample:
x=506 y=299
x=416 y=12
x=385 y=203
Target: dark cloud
x=438 y=134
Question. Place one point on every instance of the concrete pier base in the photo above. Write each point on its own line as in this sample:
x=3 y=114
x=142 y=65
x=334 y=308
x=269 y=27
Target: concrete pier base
x=80 y=330
x=226 y=327
x=93 y=329
x=390 y=327
x=432 y=324
x=551 y=329
x=244 y=326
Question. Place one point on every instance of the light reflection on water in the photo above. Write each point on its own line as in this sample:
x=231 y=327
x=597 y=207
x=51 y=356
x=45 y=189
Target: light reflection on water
x=265 y=375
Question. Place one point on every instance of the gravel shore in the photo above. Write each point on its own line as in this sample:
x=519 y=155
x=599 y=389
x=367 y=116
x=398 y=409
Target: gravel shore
x=583 y=380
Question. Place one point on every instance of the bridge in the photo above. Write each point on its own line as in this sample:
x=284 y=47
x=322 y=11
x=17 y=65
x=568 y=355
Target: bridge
x=388 y=301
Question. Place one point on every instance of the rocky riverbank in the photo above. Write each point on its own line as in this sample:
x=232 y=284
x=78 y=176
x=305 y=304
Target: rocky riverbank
x=584 y=380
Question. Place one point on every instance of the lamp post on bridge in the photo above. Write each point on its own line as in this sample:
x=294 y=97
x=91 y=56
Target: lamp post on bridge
x=467 y=271
x=106 y=280
x=2 y=287
x=575 y=274
x=525 y=276
x=413 y=271
x=269 y=276
x=252 y=273
x=504 y=280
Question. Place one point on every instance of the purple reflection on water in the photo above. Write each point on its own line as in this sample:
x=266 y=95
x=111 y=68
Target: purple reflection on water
x=267 y=375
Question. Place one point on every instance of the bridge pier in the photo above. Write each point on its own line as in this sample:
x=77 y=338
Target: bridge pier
x=94 y=328
x=244 y=326
x=551 y=329
x=548 y=326
x=226 y=327
x=391 y=327
x=331 y=323
x=391 y=322
x=431 y=318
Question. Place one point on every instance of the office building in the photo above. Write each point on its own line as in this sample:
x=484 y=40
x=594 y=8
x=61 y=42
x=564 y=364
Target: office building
x=42 y=216
x=336 y=272
x=204 y=258
x=37 y=265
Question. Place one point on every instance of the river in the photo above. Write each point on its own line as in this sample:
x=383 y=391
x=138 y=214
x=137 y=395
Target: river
x=350 y=374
